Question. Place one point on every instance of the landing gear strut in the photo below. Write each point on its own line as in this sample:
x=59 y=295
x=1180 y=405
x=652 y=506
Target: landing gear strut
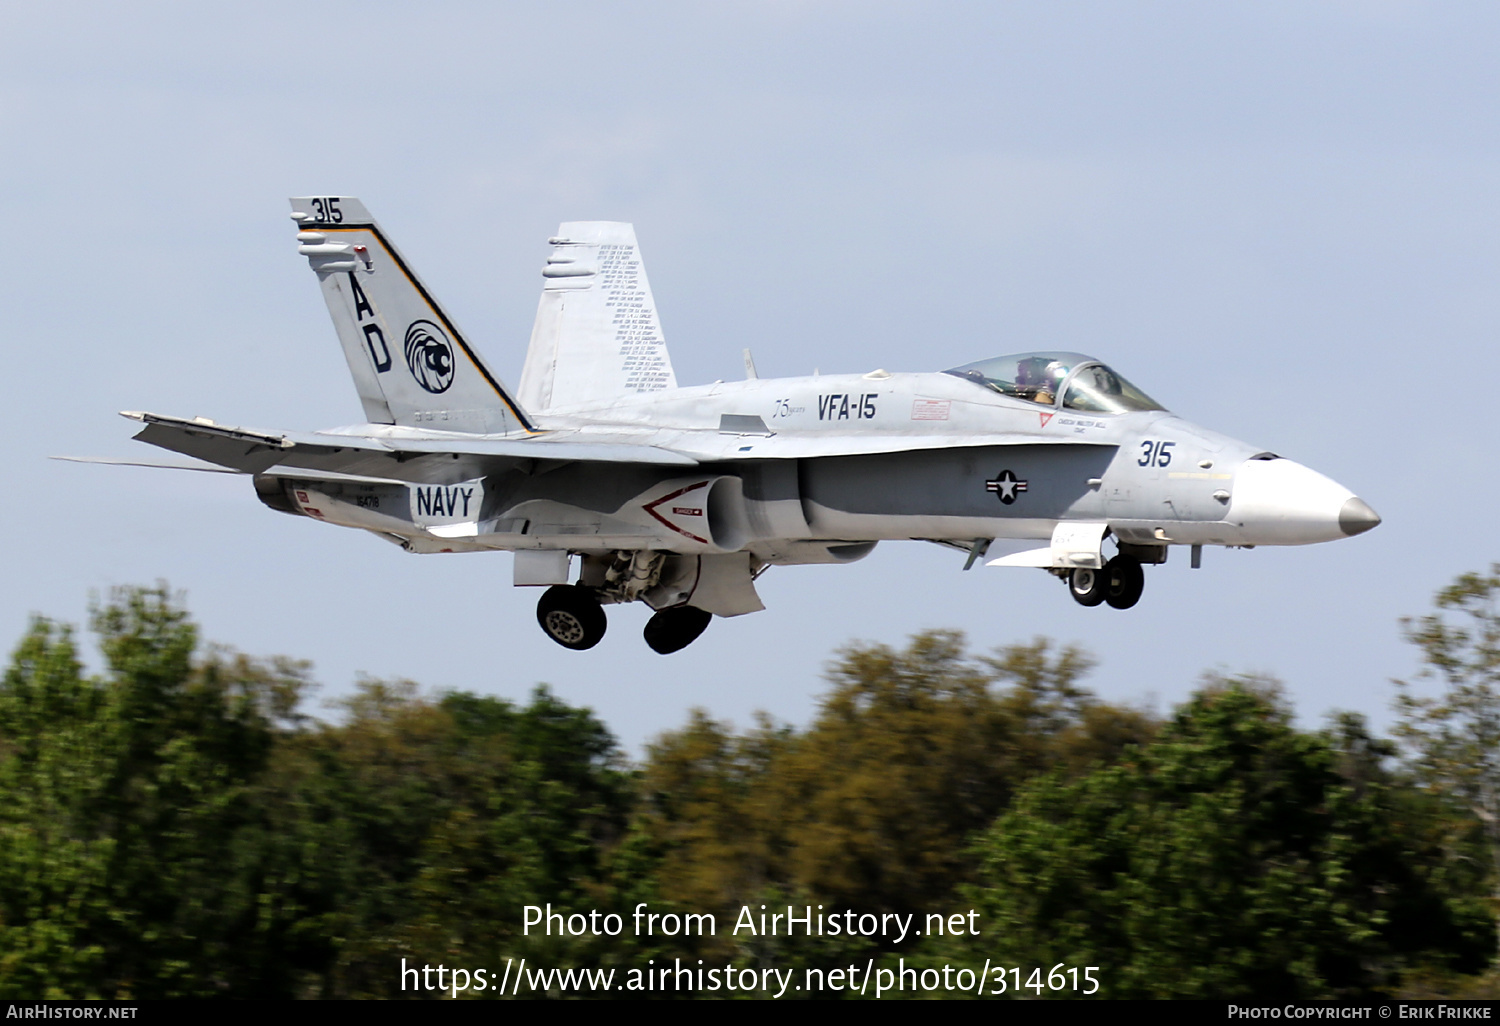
x=571 y=616
x=675 y=628
x=1119 y=583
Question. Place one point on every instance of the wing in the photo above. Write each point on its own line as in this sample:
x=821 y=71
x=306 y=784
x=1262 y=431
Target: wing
x=110 y=461
x=429 y=460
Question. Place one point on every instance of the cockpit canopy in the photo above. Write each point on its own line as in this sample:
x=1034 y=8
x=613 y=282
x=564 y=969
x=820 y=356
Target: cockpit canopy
x=1083 y=382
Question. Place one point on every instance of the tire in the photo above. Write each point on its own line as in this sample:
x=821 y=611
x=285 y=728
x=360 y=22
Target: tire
x=1125 y=582
x=571 y=616
x=1087 y=586
x=672 y=630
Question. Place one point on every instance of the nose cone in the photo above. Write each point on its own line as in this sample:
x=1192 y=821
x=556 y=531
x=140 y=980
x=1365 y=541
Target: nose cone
x=1356 y=517
x=1281 y=502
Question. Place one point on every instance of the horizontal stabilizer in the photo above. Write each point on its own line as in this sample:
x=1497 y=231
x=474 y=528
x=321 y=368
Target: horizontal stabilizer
x=240 y=449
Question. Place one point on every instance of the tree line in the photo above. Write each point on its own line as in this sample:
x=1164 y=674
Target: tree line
x=177 y=825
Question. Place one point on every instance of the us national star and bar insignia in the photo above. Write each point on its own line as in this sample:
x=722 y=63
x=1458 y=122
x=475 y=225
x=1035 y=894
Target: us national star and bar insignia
x=1006 y=486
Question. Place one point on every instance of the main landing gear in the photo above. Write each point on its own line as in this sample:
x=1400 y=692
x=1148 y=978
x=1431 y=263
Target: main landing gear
x=1120 y=583
x=675 y=628
x=570 y=614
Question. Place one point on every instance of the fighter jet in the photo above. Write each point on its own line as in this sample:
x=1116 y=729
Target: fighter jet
x=610 y=483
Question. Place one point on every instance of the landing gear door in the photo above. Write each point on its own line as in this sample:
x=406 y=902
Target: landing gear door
x=1074 y=544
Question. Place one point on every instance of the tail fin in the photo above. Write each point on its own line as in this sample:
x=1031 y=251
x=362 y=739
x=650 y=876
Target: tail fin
x=410 y=364
x=596 y=335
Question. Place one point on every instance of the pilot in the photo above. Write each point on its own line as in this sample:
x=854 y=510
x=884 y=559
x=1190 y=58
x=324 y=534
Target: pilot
x=1038 y=379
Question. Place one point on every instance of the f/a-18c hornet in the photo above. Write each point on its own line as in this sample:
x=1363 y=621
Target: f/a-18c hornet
x=682 y=497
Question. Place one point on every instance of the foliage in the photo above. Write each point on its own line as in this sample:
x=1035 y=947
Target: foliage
x=177 y=825
x=127 y=860
x=1454 y=738
x=1233 y=855
x=449 y=817
x=177 y=828
x=868 y=808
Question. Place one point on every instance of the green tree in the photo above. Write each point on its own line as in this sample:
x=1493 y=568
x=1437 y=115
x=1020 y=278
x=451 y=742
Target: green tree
x=177 y=827
x=128 y=862
x=438 y=821
x=1229 y=856
x=54 y=868
x=706 y=812
x=1453 y=738
x=911 y=752
x=869 y=808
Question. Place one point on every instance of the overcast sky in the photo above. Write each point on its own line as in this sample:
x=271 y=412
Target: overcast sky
x=1278 y=219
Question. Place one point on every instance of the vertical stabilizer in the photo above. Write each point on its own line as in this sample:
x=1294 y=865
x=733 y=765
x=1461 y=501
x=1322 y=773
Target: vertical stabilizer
x=411 y=365
x=596 y=336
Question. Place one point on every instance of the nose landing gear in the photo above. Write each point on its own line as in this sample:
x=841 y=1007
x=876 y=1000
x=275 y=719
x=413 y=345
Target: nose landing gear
x=1119 y=583
x=1087 y=586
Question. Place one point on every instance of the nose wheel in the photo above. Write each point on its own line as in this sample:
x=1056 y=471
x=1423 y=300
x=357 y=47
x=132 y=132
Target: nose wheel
x=1086 y=585
x=1120 y=583
x=571 y=616
x=672 y=630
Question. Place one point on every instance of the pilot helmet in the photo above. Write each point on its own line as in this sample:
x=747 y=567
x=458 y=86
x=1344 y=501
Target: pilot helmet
x=1032 y=371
